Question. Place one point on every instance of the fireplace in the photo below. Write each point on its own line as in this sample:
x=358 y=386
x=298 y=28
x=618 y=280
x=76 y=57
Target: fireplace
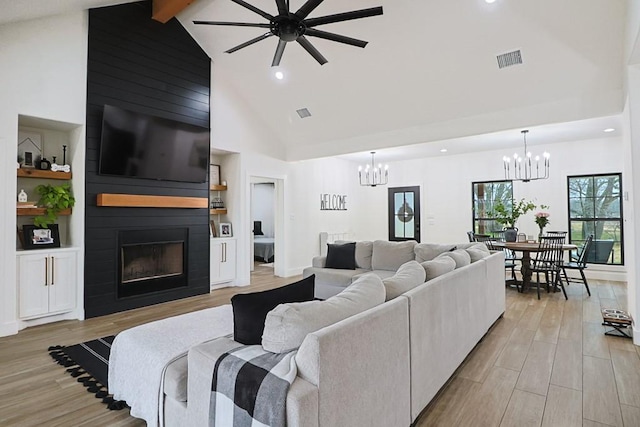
x=151 y=261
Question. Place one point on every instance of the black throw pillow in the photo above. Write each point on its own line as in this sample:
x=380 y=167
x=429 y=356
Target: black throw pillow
x=250 y=310
x=341 y=256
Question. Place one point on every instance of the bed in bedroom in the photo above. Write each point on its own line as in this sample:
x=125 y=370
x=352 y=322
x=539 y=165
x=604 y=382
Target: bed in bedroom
x=263 y=248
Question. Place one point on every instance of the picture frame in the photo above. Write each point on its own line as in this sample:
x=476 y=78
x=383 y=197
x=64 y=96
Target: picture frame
x=213 y=232
x=40 y=238
x=225 y=229
x=214 y=174
x=30 y=148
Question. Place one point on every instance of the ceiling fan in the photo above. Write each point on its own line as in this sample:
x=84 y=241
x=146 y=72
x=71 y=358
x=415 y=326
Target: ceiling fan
x=289 y=27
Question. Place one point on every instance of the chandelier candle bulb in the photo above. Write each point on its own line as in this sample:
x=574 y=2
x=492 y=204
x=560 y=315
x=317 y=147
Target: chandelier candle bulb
x=376 y=177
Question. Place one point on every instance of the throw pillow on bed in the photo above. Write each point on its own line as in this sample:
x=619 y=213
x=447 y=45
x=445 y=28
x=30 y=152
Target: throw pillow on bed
x=287 y=325
x=341 y=256
x=250 y=310
x=438 y=267
x=408 y=276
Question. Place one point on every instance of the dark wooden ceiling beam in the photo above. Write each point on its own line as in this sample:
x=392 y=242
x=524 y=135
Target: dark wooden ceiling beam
x=163 y=10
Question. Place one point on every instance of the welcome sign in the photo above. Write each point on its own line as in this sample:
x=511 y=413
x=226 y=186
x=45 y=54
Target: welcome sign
x=333 y=202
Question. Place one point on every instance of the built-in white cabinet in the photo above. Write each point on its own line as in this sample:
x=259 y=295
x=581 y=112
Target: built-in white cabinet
x=222 y=263
x=47 y=282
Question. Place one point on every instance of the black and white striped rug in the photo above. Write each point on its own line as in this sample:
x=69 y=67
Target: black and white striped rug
x=89 y=362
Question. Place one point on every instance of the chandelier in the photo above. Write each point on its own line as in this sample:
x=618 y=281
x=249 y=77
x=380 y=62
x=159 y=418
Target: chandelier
x=373 y=175
x=526 y=168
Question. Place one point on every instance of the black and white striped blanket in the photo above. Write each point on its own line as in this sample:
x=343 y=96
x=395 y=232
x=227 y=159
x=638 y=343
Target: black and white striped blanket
x=249 y=388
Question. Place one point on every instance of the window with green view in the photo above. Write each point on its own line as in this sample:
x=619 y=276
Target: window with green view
x=595 y=207
x=485 y=196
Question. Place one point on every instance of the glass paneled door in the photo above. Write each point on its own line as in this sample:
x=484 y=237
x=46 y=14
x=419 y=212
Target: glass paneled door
x=404 y=213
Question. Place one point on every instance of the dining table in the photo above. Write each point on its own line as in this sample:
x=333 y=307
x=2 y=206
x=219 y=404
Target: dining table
x=527 y=248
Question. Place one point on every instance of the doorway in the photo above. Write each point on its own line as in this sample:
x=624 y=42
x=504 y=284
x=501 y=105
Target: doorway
x=263 y=206
x=404 y=213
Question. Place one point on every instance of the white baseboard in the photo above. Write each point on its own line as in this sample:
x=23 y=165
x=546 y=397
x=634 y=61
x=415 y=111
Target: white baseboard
x=9 y=328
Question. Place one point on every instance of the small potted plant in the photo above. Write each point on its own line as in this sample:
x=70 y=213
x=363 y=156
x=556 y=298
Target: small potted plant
x=54 y=198
x=508 y=217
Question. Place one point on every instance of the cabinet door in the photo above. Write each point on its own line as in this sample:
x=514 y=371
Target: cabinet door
x=33 y=284
x=215 y=258
x=62 y=283
x=228 y=264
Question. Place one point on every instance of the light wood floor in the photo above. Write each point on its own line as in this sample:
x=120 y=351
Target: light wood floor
x=545 y=363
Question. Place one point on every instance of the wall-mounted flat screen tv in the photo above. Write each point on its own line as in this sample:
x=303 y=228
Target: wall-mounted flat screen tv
x=143 y=146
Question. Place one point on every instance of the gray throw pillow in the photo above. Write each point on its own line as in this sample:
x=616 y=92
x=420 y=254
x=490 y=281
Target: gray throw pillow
x=478 y=251
x=428 y=251
x=287 y=325
x=460 y=256
x=408 y=276
x=438 y=267
x=391 y=255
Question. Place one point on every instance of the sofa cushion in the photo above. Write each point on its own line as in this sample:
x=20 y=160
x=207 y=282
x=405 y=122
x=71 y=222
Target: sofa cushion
x=250 y=310
x=364 y=251
x=287 y=325
x=460 y=256
x=438 y=267
x=341 y=256
x=428 y=251
x=408 y=276
x=478 y=251
x=391 y=255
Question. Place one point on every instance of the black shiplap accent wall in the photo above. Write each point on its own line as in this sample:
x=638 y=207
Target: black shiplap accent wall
x=158 y=69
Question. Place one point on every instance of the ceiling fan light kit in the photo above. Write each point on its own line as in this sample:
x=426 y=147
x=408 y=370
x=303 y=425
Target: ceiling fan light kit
x=290 y=27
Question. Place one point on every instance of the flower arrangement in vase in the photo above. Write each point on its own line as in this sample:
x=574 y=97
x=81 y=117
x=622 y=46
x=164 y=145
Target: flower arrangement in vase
x=542 y=219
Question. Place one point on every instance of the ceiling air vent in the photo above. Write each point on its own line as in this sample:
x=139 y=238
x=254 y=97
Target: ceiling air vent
x=508 y=59
x=303 y=113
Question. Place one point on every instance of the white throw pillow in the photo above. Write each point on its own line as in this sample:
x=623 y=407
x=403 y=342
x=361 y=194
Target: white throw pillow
x=460 y=256
x=438 y=267
x=408 y=276
x=429 y=251
x=287 y=325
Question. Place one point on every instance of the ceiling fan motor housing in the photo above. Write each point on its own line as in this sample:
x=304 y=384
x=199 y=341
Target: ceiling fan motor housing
x=287 y=28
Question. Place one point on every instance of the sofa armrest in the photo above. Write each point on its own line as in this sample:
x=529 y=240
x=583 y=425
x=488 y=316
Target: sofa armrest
x=319 y=261
x=201 y=363
x=302 y=404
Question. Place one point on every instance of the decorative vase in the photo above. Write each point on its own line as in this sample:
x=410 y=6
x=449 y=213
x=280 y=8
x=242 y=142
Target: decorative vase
x=540 y=234
x=510 y=234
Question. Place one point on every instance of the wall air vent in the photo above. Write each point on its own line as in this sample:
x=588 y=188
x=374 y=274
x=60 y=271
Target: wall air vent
x=508 y=59
x=303 y=113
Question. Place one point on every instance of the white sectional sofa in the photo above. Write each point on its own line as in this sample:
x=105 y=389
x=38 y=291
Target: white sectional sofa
x=380 y=367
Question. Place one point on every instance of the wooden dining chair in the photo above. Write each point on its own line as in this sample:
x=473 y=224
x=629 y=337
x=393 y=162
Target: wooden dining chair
x=549 y=261
x=579 y=263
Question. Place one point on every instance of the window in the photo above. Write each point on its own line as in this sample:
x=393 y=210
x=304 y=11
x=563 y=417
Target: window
x=595 y=207
x=485 y=196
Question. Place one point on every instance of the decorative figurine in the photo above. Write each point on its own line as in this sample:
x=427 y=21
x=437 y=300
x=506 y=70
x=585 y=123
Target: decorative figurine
x=22 y=196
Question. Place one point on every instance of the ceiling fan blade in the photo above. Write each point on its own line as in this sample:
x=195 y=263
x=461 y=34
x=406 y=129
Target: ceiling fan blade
x=232 y=24
x=249 y=43
x=253 y=9
x=283 y=7
x=335 y=37
x=307 y=8
x=346 y=16
x=279 y=51
x=312 y=50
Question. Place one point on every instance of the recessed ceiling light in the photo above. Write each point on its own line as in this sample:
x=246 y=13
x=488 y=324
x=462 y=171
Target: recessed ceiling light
x=490 y=1
x=443 y=150
x=609 y=130
x=279 y=75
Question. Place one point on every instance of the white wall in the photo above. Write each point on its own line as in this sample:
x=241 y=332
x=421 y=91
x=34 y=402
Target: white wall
x=263 y=207
x=43 y=74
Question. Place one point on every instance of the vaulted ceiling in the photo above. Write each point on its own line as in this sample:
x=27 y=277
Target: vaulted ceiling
x=429 y=72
